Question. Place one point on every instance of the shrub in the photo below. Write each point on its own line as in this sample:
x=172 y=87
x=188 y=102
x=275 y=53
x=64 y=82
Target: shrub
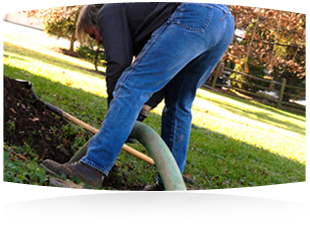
x=92 y=53
x=254 y=70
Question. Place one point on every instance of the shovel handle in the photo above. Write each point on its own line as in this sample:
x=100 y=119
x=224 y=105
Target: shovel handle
x=89 y=128
x=94 y=131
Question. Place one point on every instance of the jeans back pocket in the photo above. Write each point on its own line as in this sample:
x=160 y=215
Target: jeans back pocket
x=193 y=17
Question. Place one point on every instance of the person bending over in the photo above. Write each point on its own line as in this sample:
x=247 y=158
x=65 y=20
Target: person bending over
x=177 y=46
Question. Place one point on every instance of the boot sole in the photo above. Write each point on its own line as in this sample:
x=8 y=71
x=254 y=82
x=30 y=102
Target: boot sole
x=49 y=171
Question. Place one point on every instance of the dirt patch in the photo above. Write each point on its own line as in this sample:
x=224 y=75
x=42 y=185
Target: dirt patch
x=27 y=121
x=65 y=51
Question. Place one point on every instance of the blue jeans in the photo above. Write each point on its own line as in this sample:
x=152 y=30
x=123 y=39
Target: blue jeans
x=181 y=54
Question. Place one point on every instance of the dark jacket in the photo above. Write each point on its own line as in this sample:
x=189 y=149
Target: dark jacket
x=125 y=28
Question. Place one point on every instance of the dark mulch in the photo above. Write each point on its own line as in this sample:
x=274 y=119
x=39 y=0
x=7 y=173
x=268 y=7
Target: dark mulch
x=26 y=120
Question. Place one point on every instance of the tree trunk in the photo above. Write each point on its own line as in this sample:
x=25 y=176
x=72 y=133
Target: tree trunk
x=96 y=58
x=72 y=40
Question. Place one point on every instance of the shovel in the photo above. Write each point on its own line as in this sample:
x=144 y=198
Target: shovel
x=89 y=128
x=126 y=148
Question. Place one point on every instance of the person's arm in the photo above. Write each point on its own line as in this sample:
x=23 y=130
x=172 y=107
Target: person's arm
x=156 y=98
x=117 y=42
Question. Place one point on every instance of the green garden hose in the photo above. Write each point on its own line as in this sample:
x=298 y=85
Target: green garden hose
x=162 y=157
x=80 y=153
x=164 y=161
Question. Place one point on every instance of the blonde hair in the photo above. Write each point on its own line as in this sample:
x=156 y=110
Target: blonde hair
x=87 y=19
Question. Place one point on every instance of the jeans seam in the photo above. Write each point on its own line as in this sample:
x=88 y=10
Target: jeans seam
x=172 y=138
x=223 y=32
x=198 y=29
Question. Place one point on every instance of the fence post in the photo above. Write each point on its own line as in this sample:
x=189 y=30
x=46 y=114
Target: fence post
x=219 y=66
x=281 y=92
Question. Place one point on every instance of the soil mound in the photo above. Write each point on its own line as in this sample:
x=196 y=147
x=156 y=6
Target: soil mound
x=27 y=121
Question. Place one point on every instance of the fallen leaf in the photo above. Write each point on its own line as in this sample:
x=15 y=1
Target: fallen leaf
x=68 y=83
x=19 y=155
x=215 y=177
x=66 y=144
x=225 y=172
x=34 y=119
x=263 y=173
x=13 y=111
x=12 y=158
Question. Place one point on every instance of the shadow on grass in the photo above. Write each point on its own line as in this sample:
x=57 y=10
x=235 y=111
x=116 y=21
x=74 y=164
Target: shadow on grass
x=264 y=117
x=214 y=160
x=260 y=105
x=15 y=57
x=218 y=161
x=48 y=59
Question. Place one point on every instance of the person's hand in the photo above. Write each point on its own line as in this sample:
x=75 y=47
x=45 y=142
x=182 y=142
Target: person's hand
x=144 y=113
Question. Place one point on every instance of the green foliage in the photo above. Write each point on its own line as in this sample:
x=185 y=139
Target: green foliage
x=81 y=136
x=18 y=169
x=254 y=70
x=92 y=53
x=70 y=129
x=240 y=77
x=10 y=127
x=62 y=28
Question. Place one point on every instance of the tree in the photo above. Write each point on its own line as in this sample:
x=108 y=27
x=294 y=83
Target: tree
x=93 y=53
x=274 y=40
x=279 y=38
x=59 y=21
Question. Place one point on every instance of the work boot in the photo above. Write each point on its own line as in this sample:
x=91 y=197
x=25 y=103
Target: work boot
x=84 y=172
x=154 y=187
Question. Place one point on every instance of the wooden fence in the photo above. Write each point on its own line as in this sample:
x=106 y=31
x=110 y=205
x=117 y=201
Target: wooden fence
x=278 y=101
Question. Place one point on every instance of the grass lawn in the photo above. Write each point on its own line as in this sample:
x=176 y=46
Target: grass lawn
x=234 y=142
